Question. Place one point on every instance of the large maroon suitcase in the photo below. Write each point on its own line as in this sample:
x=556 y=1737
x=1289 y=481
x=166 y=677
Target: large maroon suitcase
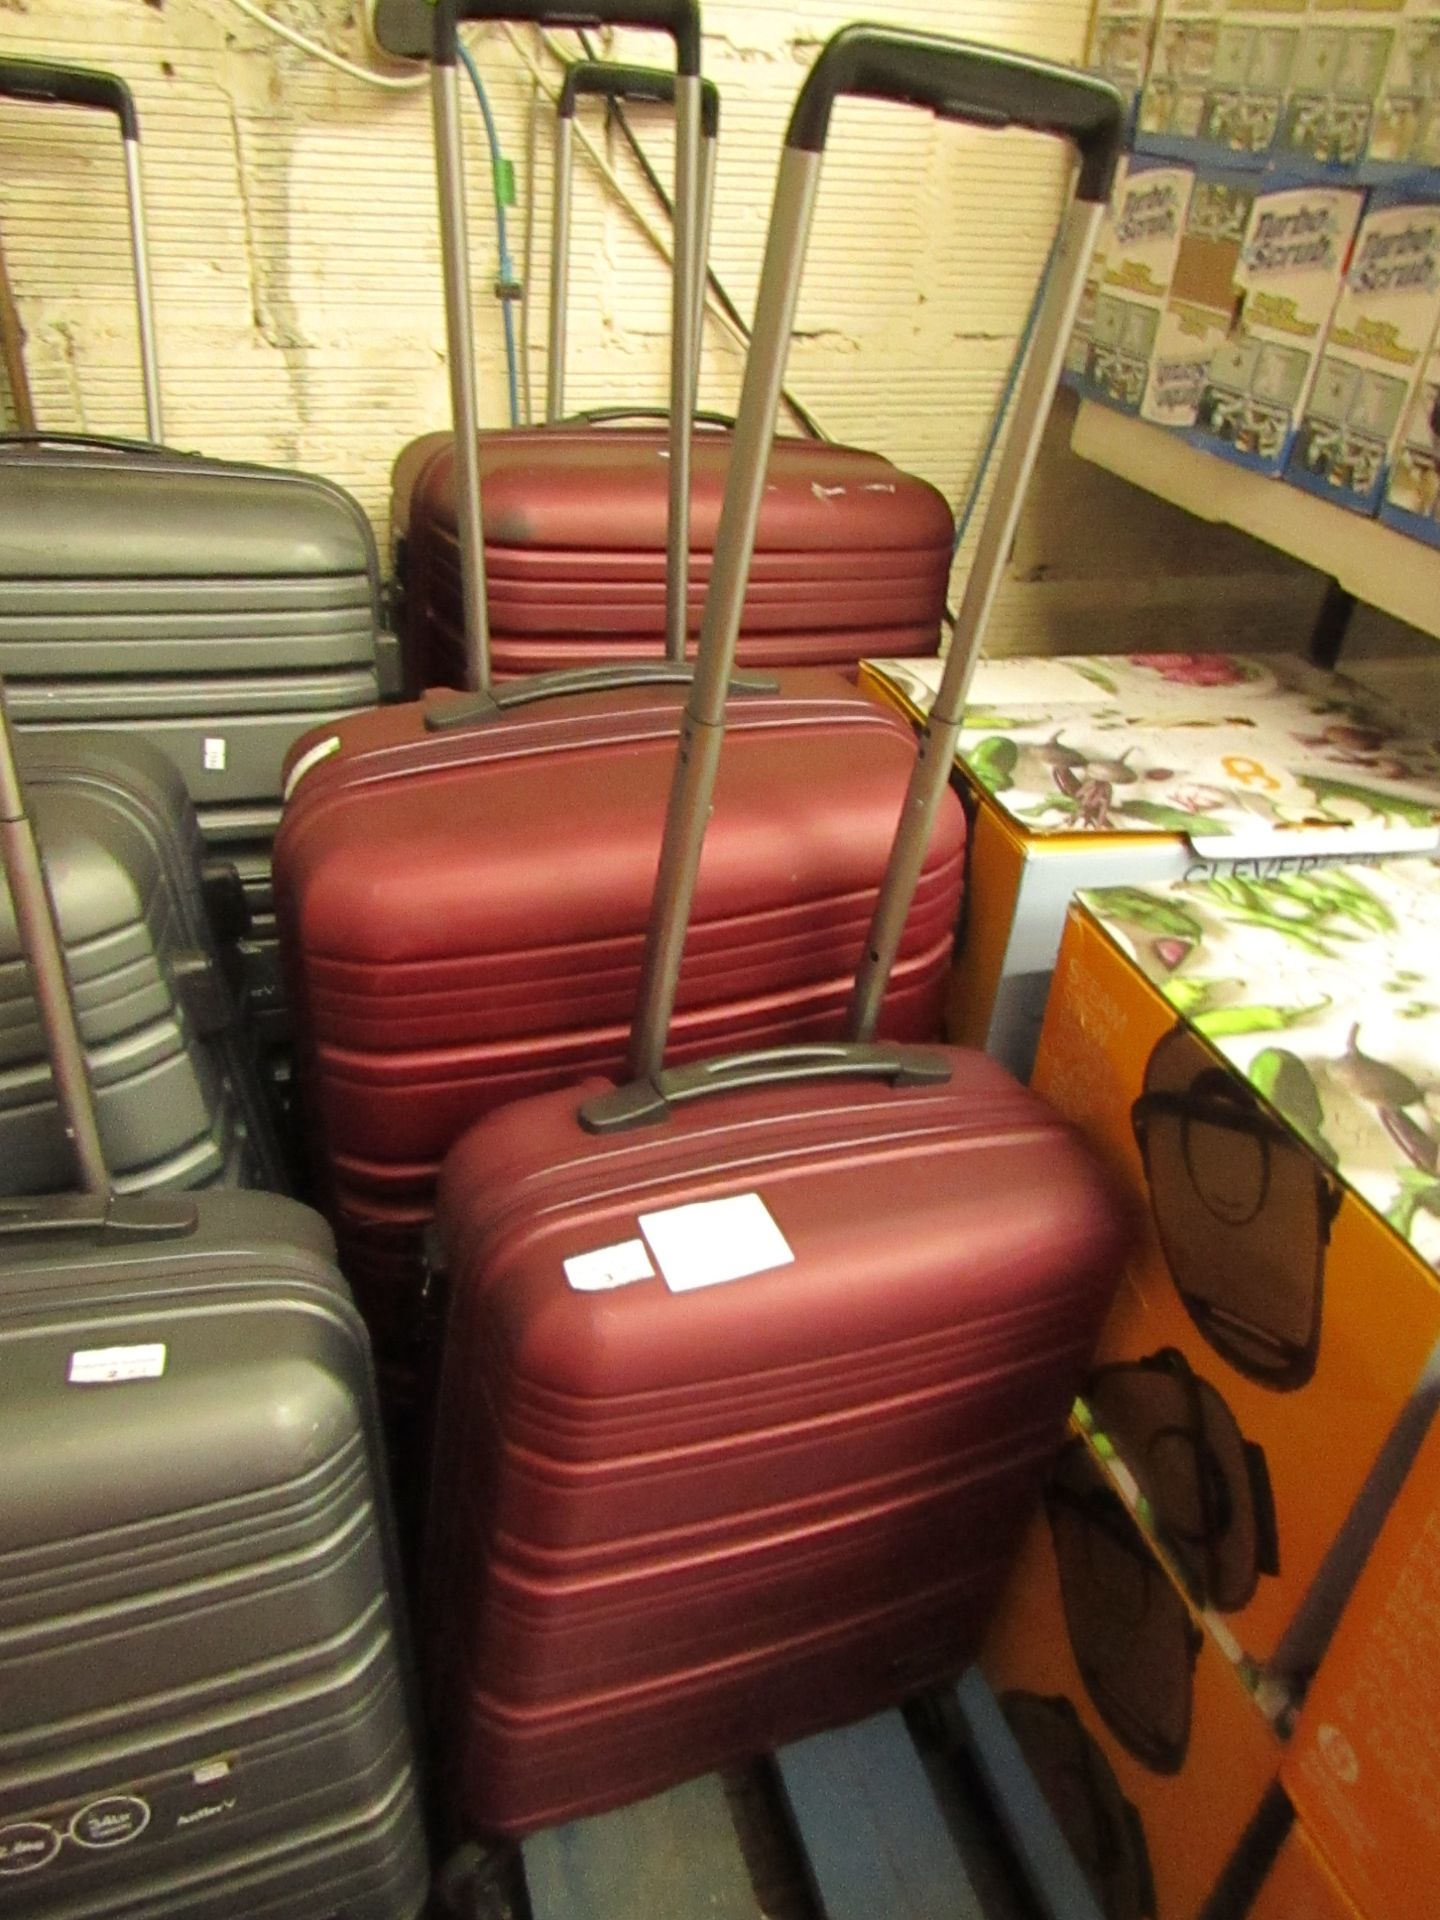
x=852 y=555
x=752 y=1368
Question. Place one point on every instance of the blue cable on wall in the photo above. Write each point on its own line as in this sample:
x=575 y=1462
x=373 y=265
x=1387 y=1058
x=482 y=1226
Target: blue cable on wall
x=498 y=167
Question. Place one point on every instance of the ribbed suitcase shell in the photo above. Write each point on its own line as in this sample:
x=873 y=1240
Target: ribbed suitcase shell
x=216 y=609
x=670 y=1529
x=203 y=1710
x=176 y=1088
x=852 y=556
x=463 y=915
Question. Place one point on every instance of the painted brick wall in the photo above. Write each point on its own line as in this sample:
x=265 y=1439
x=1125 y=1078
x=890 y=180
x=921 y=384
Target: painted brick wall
x=293 y=240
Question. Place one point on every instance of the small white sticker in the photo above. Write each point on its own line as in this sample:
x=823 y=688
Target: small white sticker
x=615 y=1266
x=214 y=753
x=713 y=1241
x=105 y=1366
x=311 y=757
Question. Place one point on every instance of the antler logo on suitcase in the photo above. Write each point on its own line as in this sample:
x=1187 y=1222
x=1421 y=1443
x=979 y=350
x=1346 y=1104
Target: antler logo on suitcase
x=1131 y=1633
x=1207 y=1485
x=1102 y=1828
x=1243 y=1211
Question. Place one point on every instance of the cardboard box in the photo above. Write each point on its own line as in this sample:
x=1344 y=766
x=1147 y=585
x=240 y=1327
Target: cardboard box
x=1082 y=772
x=1375 y=349
x=1291 y=265
x=1153 y=1757
x=1301 y=1886
x=1363 y=1768
x=1345 y=50
x=1219 y=75
x=1259 y=1064
x=1200 y=302
x=1412 y=492
x=1405 y=126
x=1139 y=246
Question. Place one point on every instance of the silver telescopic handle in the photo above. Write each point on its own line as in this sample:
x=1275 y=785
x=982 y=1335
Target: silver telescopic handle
x=144 y=298
x=559 y=265
x=40 y=942
x=460 y=347
x=684 y=292
x=941 y=730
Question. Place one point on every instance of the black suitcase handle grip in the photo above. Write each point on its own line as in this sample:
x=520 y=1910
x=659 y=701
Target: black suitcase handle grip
x=959 y=80
x=107 y=1216
x=679 y=18
x=483 y=707
x=610 y=416
x=42 y=83
x=608 y=80
x=646 y=1103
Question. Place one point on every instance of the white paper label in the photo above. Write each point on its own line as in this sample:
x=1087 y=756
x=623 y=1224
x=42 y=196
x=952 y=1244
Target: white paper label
x=105 y=1366
x=214 y=753
x=713 y=1241
x=615 y=1266
x=312 y=757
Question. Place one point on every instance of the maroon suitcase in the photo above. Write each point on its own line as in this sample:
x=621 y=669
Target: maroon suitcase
x=852 y=556
x=752 y=1369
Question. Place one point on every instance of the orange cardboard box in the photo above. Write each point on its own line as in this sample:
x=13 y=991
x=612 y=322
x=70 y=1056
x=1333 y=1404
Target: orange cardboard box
x=1300 y=1886
x=1134 y=1724
x=1259 y=1372
x=1363 y=1766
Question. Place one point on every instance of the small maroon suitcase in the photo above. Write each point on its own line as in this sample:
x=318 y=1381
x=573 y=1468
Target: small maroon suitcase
x=462 y=886
x=852 y=555
x=753 y=1368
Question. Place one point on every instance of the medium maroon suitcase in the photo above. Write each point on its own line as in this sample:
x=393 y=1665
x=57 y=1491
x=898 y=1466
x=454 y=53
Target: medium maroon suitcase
x=752 y=1369
x=852 y=555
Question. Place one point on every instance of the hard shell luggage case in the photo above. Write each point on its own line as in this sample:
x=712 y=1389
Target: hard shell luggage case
x=529 y=823
x=753 y=1369
x=852 y=554
x=214 y=608
x=177 y=1085
x=204 y=1707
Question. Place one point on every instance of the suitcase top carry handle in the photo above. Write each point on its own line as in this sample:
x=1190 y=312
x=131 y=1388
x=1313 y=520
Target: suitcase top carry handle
x=617 y=82
x=482 y=707
x=995 y=89
x=679 y=18
x=958 y=81
x=159 y=1216
x=40 y=943
x=45 y=83
x=611 y=416
x=39 y=83
x=642 y=1103
x=609 y=80
x=96 y=442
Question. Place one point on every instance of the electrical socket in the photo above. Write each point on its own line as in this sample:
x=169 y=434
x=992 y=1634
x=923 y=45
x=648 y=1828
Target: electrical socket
x=399 y=29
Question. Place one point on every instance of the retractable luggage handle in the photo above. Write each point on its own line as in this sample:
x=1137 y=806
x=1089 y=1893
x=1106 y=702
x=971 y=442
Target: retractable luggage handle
x=955 y=80
x=681 y=20
x=96 y=1209
x=42 y=83
x=608 y=80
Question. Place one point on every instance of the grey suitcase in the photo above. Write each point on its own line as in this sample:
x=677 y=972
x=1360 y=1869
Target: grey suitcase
x=175 y=1074
x=205 y=1710
x=215 y=608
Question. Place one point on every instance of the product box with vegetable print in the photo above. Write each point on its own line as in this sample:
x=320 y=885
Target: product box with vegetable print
x=1363 y=1768
x=1133 y=1724
x=1084 y=772
x=1259 y=1064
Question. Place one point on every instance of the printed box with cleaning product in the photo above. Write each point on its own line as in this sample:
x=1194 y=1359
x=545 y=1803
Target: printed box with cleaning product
x=1291 y=266
x=1200 y=302
x=1412 y=495
x=1374 y=353
x=1121 y=32
x=1153 y=1757
x=1405 y=127
x=1218 y=79
x=1084 y=772
x=1335 y=87
x=1258 y=1062
x=1132 y=272
x=1363 y=1765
